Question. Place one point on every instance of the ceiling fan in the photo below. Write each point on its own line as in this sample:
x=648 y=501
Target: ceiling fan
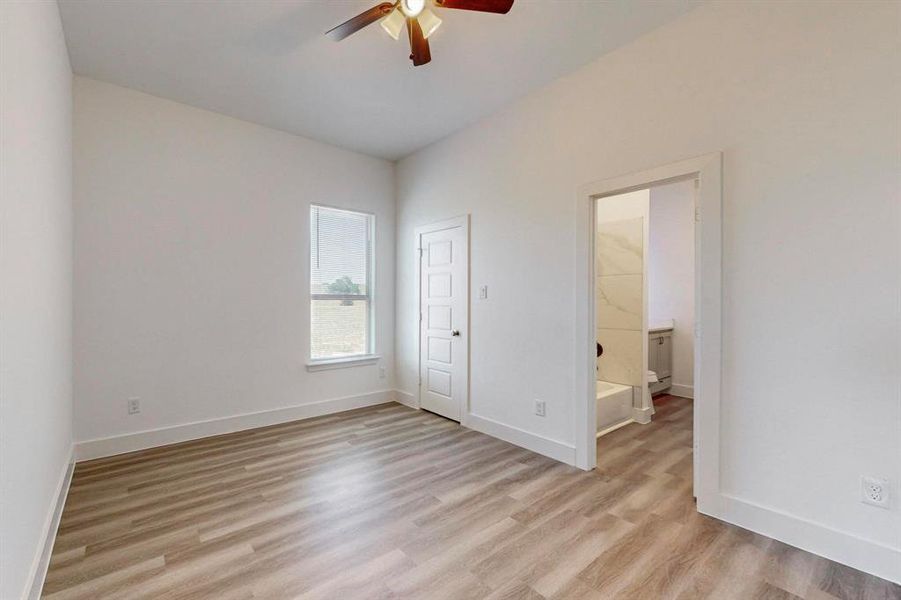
x=420 y=21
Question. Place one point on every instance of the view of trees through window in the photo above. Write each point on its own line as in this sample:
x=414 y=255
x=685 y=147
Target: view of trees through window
x=340 y=282
x=344 y=285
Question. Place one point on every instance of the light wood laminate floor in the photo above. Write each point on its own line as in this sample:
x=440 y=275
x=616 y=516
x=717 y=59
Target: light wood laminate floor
x=388 y=502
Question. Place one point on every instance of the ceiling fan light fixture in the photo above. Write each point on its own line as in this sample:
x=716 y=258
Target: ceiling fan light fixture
x=412 y=8
x=429 y=22
x=393 y=23
x=414 y=15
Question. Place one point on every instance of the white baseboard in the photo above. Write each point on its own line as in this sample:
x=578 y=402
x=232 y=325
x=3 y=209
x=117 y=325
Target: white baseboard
x=613 y=428
x=51 y=524
x=682 y=391
x=152 y=438
x=642 y=415
x=840 y=546
x=406 y=398
x=530 y=441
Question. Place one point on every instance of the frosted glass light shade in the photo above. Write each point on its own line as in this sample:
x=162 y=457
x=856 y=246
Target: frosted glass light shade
x=393 y=23
x=412 y=8
x=429 y=22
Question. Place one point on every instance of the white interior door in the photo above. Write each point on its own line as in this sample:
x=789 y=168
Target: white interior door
x=444 y=321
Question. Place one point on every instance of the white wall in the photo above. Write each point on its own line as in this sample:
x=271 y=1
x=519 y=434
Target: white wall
x=804 y=104
x=671 y=255
x=191 y=263
x=36 y=286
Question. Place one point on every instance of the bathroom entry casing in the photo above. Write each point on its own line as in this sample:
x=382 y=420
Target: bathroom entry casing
x=707 y=170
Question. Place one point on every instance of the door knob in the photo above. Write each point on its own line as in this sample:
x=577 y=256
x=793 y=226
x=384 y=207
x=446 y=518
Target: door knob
x=455 y=333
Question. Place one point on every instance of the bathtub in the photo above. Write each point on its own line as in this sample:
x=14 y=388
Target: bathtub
x=614 y=406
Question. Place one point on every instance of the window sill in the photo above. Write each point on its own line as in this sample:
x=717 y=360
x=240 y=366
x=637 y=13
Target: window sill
x=343 y=363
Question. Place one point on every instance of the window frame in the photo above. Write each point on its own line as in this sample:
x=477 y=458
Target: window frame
x=369 y=355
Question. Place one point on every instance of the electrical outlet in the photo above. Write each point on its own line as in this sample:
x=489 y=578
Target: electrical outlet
x=874 y=491
x=382 y=372
x=134 y=405
x=540 y=408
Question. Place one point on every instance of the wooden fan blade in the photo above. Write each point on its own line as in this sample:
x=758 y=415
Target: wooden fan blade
x=360 y=21
x=419 y=46
x=491 y=6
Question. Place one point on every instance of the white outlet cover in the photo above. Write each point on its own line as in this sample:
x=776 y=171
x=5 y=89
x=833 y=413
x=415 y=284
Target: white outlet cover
x=874 y=491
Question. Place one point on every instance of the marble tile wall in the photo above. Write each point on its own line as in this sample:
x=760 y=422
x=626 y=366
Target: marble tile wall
x=620 y=247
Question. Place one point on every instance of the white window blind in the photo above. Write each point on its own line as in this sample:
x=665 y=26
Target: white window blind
x=340 y=283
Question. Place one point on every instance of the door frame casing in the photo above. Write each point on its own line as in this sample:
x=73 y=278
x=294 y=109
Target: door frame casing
x=707 y=170
x=463 y=222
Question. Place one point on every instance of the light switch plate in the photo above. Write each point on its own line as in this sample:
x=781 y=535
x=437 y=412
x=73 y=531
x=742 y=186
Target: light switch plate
x=483 y=292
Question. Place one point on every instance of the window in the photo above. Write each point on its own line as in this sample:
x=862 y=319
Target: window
x=340 y=283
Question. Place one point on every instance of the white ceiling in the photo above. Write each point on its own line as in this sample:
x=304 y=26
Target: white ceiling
x=267 y=61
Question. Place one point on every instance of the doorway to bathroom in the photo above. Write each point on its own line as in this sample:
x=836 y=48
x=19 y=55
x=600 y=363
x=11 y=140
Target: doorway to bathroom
x=649 y=309
x=644 y=294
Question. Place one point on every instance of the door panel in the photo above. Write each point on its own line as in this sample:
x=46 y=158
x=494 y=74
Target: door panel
x=440 y=350
x=440 y=253
x=439 y=317
x=443 y=332
x=439 y=285
x=439 y=383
